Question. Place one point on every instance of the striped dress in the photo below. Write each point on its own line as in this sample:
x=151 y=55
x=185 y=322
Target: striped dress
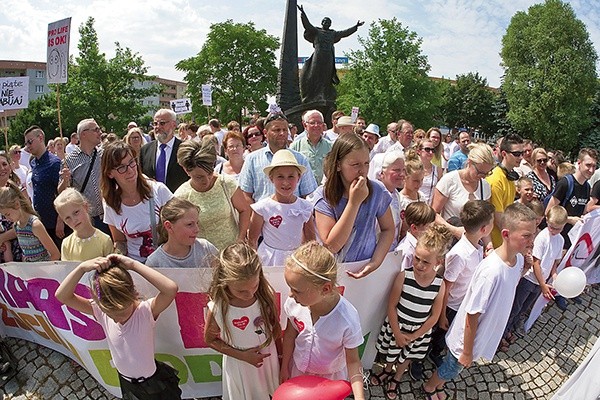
x=33 y=249
x=413 y=309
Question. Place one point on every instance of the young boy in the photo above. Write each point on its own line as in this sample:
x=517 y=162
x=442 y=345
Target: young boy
x=547 y=253
x=477 y=217
x=525 y=190
x=483 y=314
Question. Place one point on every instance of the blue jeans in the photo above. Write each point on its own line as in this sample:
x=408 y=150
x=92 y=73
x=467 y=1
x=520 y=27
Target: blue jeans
x=450 y=367
x=525 y=296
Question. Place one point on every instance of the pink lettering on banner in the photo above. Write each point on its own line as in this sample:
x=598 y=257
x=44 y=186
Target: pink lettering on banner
x=17 y=290
x=42 y=296
x=190 y=314
x=89 y=328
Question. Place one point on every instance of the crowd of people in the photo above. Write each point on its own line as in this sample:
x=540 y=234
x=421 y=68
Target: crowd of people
x=476 y=223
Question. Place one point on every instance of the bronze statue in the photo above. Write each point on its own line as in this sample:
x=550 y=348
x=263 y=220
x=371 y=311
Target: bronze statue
x=318 y=73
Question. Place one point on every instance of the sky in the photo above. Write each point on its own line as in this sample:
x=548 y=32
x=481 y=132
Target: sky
x=459 y=36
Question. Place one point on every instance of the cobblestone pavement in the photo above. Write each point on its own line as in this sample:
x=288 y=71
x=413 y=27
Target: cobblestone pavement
x=534 y=367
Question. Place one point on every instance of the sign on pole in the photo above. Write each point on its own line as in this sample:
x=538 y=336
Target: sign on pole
x=354 y=114
x=181 y=106
x=206 y=95
x=14 y=93
x=58 y=51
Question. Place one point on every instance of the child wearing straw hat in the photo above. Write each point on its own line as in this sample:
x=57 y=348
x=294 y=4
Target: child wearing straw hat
x=283 y=220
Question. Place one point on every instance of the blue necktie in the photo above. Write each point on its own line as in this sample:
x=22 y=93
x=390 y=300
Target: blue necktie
x=161 y=164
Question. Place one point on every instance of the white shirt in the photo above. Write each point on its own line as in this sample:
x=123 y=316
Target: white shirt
x=407 y=247
x=69 y=149
x=547 y=248
x=383 y=144
x=394 y=147
x=490 y=294
x=330 y=135
x=461 y=261
x=168 y=151
x=451 y=186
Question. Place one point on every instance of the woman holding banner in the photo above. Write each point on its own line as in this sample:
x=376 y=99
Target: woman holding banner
x=9 y=245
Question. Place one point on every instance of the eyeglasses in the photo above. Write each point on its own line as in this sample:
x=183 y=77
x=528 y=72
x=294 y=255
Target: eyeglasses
x=234 y=147
x=29 y=141
x=135 y=138
x=96 y=129
x=17 y=152
x=516 y=153
x=121 y=169
x=480 y=172
x=314 y=123
x=274 y=117
x=161 y=123
x=428 y=149
x=542 y=161
x=254 y=134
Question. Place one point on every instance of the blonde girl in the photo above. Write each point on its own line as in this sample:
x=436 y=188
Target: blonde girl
x=435 y=136
x=414 y=180
x=33 y=238
x=431 y=173
x=242 y=323
x=414 y=306
x=86 y=241
x=180 y=247
x=323 y=329
x=128 y=322
x=283 y=220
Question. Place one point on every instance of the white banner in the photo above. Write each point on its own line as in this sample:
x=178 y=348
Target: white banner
x=57 y=62
x=14 y=93
x=354 y=114
x=584 y=253
x=206 y=95
x=30 y=311
x=181 y=106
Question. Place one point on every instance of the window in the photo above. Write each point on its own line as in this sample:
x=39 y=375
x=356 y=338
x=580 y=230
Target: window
x=39 y=88
x=39 y=74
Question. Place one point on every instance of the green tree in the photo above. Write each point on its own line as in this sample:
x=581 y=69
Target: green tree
x=239 y=62
x=388 y=79
x=41 y=112
x=469 y=103
x=550 y=73
x=591 y=137
x=502 y=125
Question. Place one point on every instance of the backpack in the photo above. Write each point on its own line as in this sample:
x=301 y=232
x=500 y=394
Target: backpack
x=571 y=183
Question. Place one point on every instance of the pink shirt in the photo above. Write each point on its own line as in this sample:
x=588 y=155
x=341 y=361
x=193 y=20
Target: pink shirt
x=131 y=344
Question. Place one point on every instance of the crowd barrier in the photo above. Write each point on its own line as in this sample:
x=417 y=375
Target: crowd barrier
x=30 y=311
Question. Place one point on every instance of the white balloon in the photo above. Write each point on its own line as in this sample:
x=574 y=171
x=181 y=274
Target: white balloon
x=570 y=282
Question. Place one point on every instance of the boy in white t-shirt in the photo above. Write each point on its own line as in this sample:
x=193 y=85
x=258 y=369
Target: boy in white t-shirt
x=418 y=216
x=483 y=314
x=477 y=217
x=547 y=253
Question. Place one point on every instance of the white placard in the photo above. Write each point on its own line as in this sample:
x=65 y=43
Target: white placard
x=14 y=93
x=57 y=61
x=181 y=106
x=206 y=95
x=354 y=114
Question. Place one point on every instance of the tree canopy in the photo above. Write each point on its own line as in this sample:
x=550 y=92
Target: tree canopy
x=550 y=73
x=239 y=62
x=99 y=88
x=388 y=79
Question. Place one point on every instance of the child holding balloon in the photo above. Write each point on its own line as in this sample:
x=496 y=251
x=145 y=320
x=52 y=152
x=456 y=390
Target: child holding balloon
x=547 y=253
x=323 y=331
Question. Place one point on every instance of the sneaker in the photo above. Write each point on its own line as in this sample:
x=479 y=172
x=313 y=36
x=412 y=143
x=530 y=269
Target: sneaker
x=561 y=302
x=416 y=371
x=577 y=300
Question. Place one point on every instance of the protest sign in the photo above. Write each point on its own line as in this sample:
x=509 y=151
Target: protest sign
x=30 y=311
x=206 y=95
x=354 y=114
x=57 y=62
x=181 y=106
x=14 y=93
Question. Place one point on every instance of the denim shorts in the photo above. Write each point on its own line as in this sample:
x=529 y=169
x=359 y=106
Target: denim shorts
x=450 y=367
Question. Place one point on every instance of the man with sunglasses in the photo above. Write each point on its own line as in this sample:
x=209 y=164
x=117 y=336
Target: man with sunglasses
x=253 y=181
x=527 y=162
x=502 y=181
x=159 y=157
x=45 y=169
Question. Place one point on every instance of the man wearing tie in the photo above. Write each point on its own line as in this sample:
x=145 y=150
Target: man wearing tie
x=159 y=157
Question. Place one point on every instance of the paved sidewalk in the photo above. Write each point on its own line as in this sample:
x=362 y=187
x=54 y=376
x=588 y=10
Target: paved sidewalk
x=534 y=367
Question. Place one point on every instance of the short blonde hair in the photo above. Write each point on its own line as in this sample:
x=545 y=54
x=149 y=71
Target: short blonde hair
x=481 y=153
x=557 y=215
x=69 y=196
x=317 y=259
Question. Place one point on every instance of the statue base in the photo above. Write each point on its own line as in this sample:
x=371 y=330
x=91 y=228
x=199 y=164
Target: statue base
x=294 y=114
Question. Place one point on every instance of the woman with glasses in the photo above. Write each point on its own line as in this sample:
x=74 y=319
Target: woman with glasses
x=543 y=181
x=135 y=139
x=455 y=188
x=432 y=173
x=224 y=213
x=233 y=144
x=254 y=138
x=131 y=201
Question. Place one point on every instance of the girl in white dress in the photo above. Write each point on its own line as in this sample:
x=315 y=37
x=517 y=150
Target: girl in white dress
x=283 y=220
x=242 y=324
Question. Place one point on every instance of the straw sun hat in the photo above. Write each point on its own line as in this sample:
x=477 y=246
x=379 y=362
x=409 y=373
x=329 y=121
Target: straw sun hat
x=284 y=158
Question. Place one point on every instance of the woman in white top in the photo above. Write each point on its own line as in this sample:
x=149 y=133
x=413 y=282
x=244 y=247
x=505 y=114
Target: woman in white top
x=233 y=145
x=457 y=187
x=392 y=175
x=431 y=173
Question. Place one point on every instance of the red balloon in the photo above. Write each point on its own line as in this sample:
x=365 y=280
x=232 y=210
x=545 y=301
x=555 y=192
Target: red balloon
x=312 y=387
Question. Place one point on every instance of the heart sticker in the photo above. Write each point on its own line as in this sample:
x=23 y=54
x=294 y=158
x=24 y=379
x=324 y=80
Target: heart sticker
x=275 y=221
x=299 y=324
x=241 y=323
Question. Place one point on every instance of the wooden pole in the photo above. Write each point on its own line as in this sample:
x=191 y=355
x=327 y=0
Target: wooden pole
x=58 y=109
x=5 y=129
x=208 y=111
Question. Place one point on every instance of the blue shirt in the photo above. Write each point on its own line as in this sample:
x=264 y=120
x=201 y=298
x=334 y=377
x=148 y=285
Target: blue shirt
x=44 y=179
x=457 y=161
x=363 y=239
x=254 y=180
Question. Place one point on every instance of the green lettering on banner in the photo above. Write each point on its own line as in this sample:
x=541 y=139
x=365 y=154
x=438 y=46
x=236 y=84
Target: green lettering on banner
x=101 y=359
x=361 y=348
x=200 y=366
x=175 y=363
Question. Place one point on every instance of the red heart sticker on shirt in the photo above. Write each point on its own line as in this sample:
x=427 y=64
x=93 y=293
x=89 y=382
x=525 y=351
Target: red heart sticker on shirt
x=299 y=324
x=275 y=221
x=241 y=323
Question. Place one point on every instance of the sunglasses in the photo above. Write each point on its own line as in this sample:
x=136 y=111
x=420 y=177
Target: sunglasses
x=480 y=172
x=516 y=153
x=121 y=169
x=428 y=149
x=17 y=152
x=274 y=117
x=542 y=161
x=161 y=123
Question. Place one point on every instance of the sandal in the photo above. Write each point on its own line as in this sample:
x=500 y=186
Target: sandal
x=504 y=346
x=511 y=338
x=380 y=378
x=441 y=390
x=430 y=395
x=394 y=391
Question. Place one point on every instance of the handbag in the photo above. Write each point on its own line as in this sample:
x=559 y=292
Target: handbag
x=234 y=212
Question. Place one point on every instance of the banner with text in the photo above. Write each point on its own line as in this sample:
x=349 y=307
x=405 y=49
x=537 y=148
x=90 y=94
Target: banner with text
x=31 y=311
x=207 y=95
x=57 y=62
x=14 y=93
x=181 y=106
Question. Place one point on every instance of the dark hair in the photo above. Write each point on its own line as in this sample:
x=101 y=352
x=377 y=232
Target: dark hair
x=510 y=140
x=419 y=213
x=33 y=128
x=246 y=129
x=475 y=214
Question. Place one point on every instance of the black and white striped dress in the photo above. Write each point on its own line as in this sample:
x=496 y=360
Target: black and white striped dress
x=413 y=309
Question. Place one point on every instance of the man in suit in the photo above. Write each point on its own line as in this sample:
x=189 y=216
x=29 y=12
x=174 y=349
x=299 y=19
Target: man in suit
x=159 y=157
